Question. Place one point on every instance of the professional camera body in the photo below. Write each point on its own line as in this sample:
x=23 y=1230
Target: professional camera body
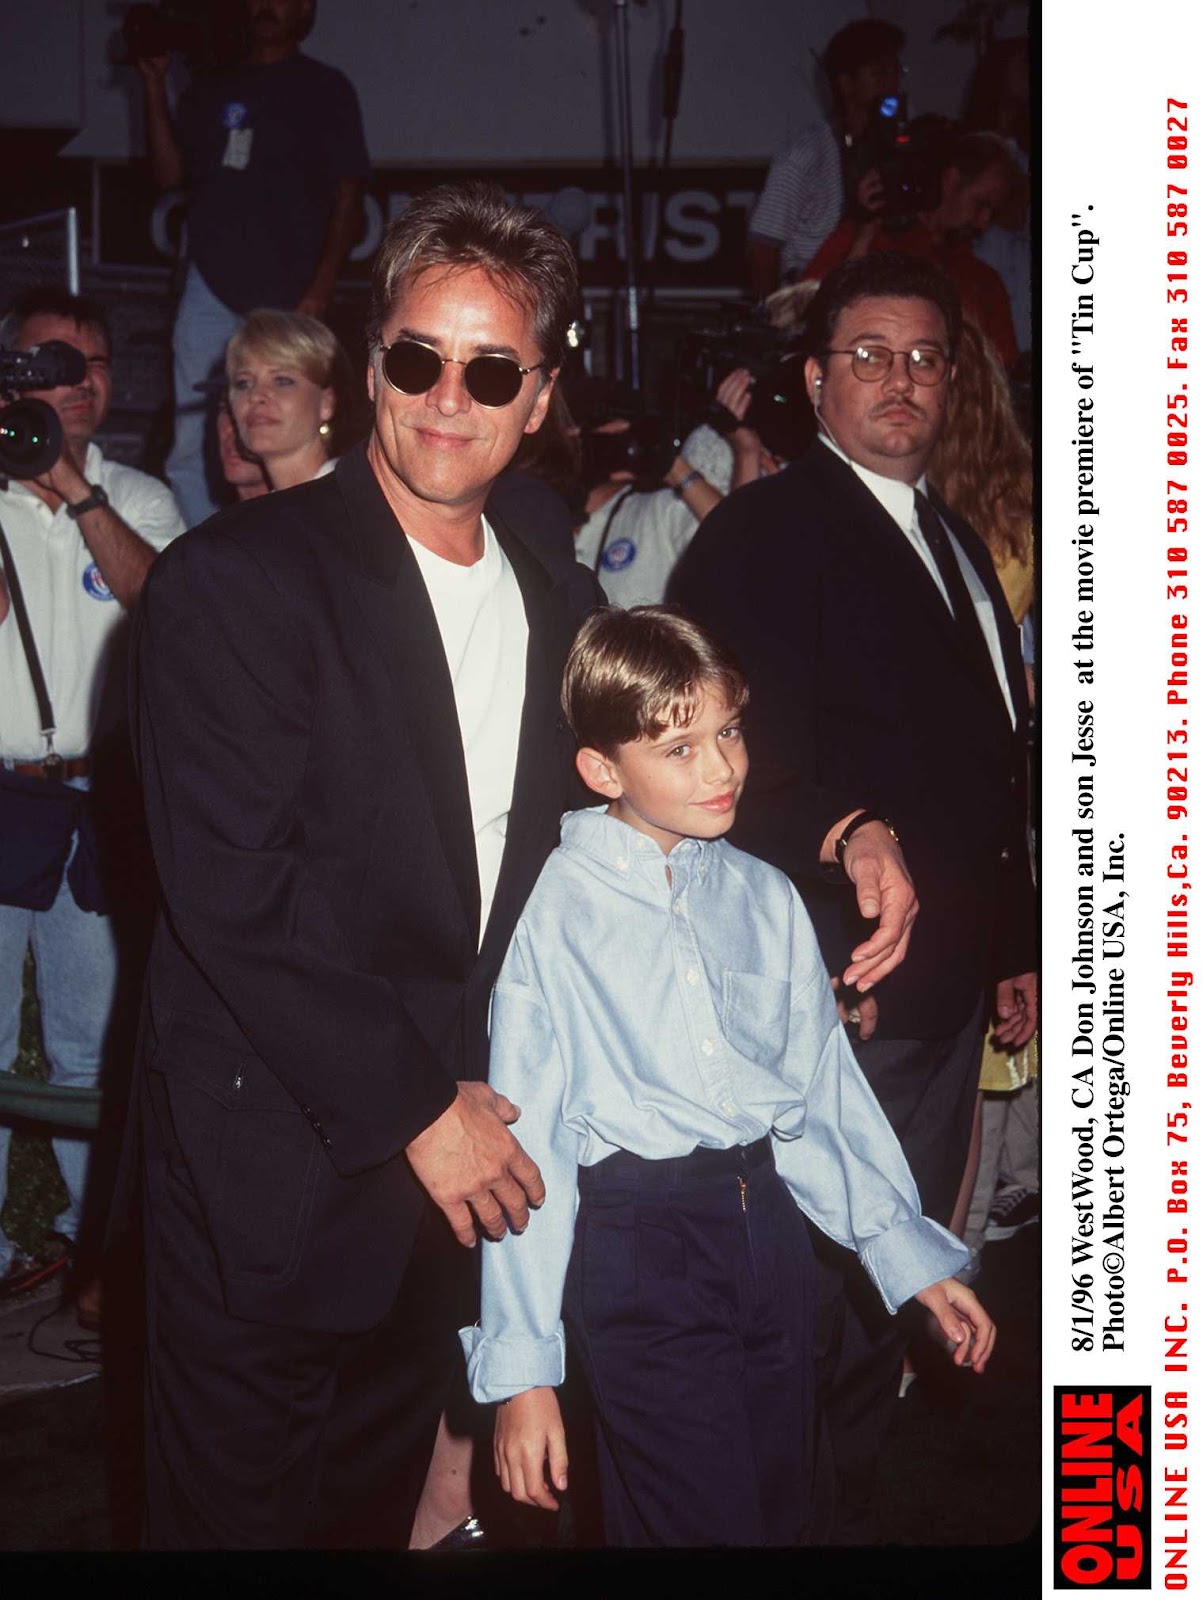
x=641 y=443
x=149 y=31
x=620 y=438
x=779 y=412
x=902 y=153
x=31 y=435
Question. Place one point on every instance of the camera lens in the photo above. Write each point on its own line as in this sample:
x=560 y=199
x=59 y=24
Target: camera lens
x=31 y=437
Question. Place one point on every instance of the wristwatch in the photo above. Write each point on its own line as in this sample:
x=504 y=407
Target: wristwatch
x=90 y=503
x=841 y=844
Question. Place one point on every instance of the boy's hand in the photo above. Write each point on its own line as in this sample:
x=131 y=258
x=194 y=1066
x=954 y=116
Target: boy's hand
x=963 y=1320
x=528 y=1432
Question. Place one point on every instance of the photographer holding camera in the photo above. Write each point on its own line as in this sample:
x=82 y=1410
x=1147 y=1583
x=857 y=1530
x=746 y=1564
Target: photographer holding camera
x=78 y=542
x=638 y=524
x=935 y=206
x=804 y=194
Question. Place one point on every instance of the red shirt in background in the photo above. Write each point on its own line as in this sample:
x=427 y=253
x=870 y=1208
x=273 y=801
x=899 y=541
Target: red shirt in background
x=983 y=294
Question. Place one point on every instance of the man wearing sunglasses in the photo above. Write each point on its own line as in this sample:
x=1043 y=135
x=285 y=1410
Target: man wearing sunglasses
x=887 y=683
x=354 y=768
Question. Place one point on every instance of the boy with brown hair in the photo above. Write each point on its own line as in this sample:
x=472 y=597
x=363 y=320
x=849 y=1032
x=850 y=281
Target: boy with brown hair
x=665 y=1021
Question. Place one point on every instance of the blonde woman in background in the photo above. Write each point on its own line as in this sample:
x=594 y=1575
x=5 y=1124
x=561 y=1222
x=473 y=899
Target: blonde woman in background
x=286 y=373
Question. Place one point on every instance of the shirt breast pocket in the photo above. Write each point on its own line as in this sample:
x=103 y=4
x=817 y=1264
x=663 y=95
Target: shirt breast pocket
x=756 y=1016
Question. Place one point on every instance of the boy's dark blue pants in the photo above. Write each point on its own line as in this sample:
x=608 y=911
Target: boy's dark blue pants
x=691 y=1300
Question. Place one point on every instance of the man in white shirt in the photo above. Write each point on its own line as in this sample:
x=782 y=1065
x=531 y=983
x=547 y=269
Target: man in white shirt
x=886 y=682
x=81 y=539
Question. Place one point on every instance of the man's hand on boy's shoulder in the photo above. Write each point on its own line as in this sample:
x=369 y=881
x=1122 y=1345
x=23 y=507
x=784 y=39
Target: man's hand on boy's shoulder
x=529 y=1432
x=470 y=1164
x=963 y=1320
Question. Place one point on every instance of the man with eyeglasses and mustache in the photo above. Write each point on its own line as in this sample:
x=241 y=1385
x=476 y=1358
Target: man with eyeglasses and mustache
x=886 y=716
x=354 y=767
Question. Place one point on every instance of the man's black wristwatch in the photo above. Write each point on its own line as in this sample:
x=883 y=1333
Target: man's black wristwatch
x=841 y=844
x=93 y=500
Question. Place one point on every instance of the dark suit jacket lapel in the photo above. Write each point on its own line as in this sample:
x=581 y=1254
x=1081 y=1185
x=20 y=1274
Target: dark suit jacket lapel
x=391 y=593
x=975 y=548
x=894 y=560
x=890 y=556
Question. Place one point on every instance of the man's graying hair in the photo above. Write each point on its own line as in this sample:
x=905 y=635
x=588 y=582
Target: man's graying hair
x=50 y=300
x=474 y=225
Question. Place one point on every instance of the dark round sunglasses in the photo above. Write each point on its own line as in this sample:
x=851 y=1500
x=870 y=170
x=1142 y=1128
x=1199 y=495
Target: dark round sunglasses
x=413 y=368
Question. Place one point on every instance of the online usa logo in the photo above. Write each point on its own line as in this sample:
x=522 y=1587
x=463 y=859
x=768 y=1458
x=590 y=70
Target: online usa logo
x=1102 y=1487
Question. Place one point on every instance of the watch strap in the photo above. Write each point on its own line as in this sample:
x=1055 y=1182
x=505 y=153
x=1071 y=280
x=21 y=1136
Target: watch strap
x=859 y=821
x=96 y=498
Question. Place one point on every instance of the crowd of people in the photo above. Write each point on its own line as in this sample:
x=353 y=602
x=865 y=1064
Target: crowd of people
x=544 y=851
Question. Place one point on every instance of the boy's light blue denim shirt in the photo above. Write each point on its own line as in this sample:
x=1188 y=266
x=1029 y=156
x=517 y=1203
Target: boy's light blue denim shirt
x=635 y=1013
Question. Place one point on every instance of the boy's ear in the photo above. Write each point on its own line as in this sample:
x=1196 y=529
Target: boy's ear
x=598 y=773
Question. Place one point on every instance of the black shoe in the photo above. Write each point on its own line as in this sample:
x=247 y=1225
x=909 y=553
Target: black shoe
x=1015 y=1210
x=470 y=1535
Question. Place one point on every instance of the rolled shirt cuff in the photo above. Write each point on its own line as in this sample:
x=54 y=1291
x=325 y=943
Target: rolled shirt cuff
x=909 y=1257
x=498 y=1369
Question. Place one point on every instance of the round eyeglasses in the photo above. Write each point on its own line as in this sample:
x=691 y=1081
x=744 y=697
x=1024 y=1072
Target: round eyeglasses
x=413 y=368
x=873 y=362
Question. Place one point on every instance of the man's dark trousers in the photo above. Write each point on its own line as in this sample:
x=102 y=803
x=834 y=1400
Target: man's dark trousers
x=926 y=1088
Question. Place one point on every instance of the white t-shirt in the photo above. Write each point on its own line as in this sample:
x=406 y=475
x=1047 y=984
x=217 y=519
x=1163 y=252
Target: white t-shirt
x=650 y=532
x=482 y=622
x=73 y=615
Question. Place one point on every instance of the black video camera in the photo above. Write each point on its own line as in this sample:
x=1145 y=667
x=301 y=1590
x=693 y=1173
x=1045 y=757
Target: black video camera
x=151 y=31
x=779 y=410
x=645 y=446
x=31 y=435
x=910 y=179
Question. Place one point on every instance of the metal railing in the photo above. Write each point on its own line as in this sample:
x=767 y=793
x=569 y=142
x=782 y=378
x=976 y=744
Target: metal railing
x=41 y=249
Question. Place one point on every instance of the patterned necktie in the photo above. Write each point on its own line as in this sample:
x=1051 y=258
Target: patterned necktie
x=963 y=610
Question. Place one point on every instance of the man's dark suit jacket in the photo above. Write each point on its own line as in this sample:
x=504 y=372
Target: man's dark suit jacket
x=864 y=695
x=315 y=987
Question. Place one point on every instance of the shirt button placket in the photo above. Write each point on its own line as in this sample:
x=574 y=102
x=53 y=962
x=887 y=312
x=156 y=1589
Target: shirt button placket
x=696 y=997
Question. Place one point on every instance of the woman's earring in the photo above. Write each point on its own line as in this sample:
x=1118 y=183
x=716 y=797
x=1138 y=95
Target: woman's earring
x=324 y=429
